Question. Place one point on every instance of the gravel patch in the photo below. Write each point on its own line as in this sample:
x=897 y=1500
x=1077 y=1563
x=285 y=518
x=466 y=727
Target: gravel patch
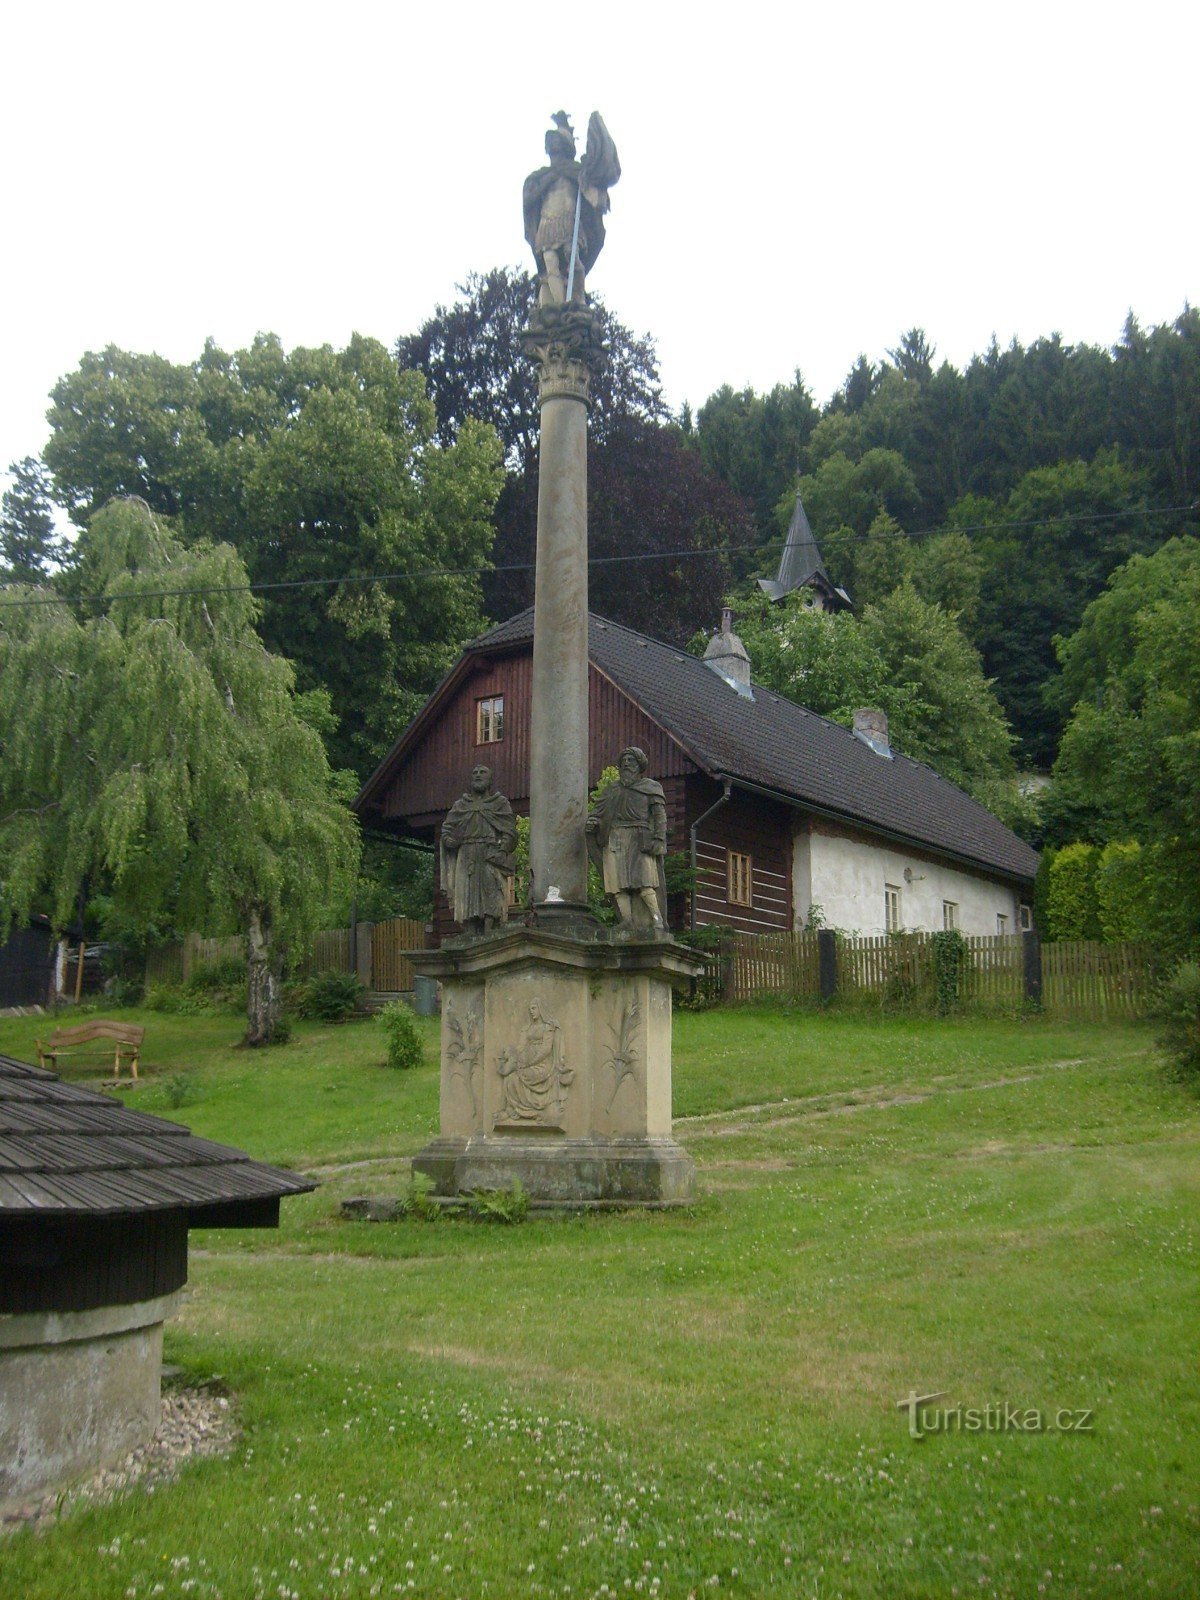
x=194 y=1423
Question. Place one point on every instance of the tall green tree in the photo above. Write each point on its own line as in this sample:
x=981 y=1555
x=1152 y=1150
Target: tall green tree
x=471 y=356
x=908 y=658
x=323 y=468
x=1046 y=555
x=30 y=546
x=150 y=745
x=1129 y=765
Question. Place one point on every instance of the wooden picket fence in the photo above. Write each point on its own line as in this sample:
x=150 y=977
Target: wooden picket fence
x=773 y=963
x=389 y=943
x=330 y=952
x=1082 y=977
x=175 y=963
x=999 y=972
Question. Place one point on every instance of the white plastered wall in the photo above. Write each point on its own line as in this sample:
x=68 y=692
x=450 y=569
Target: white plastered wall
x=845 y=877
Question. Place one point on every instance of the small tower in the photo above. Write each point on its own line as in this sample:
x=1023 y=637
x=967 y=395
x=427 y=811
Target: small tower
x=801 y=567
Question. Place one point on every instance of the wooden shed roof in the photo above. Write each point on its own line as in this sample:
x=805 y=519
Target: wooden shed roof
x=69 y=1152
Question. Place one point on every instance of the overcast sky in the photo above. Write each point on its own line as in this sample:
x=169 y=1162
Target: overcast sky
x=798 y=185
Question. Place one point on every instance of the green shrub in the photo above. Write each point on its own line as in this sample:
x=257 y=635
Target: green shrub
x=419 y=1201
x=179 y=1088
x=1123 y=894
x=174 y=997
x=124 y=992
x=1177 y=1012
x=1072 y=911
x=499 y=1205
x=949 y=962
x=226 y=972
x=329 y=997
x=403 y=1037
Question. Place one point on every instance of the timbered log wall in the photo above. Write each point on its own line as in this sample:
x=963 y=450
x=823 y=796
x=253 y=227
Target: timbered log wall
x=753 y=826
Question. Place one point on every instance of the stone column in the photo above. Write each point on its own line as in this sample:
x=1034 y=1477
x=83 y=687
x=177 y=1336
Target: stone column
x=561 y=340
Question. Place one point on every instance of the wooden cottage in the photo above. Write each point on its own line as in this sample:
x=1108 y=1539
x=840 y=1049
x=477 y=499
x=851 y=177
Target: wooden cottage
x=786 y=814
x=95 y=1205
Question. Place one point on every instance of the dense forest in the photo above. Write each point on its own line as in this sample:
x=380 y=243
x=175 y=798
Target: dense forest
x=385 y=502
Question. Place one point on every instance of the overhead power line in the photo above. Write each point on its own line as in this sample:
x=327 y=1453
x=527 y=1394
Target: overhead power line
x=421 y=574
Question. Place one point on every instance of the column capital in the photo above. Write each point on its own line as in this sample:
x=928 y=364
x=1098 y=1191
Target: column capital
x=564 y=341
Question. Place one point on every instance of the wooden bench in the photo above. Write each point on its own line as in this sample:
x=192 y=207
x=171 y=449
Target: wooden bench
x=122 y=1041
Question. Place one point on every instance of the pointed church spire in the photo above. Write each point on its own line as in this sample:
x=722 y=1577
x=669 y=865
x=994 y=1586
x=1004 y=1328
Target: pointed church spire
x=800 y=566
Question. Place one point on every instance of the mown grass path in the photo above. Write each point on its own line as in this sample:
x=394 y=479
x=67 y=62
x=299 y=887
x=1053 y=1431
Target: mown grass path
x=704 y=1401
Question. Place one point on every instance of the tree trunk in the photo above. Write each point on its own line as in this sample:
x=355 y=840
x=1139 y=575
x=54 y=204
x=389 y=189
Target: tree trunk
x=262 y=1006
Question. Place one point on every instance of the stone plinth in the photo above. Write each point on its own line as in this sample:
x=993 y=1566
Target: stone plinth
x=556 y=1068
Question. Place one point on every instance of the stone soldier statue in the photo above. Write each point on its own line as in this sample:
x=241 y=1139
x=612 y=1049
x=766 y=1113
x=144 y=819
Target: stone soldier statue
x=628 y=830
x=564 y=206
x=478 y=837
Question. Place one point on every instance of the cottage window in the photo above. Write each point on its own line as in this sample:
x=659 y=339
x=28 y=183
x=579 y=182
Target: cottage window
x=949 y=915
x=741 y=880
x=1025 y=918
x=891 y=907
x=1001 y=923
x=489 y=719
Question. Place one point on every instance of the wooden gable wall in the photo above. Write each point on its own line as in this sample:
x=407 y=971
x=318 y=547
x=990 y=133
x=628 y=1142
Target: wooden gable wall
x=438 y=769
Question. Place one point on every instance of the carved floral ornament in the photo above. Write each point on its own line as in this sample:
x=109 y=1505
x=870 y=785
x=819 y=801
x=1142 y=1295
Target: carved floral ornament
x=622 y=1061
x=465 y=1048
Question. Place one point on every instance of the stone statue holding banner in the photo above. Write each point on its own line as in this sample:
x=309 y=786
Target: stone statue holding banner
x=564 y=206
x=627 y=828
x=478 y=838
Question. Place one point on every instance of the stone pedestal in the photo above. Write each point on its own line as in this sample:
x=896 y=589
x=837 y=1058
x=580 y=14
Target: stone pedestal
x=556 y=1068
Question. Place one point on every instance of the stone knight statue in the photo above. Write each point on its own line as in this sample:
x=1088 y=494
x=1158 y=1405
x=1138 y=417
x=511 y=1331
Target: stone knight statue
x=627 y=829
x=478 y=838
x=564 y=206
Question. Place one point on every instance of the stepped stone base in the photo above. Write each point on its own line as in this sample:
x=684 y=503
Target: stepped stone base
x=556 y=1069
x=582 y=1173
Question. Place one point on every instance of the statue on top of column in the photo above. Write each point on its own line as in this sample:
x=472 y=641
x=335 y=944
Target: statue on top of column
x=564 y=206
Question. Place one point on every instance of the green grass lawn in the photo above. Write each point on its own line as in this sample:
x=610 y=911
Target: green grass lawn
x=701 y=1401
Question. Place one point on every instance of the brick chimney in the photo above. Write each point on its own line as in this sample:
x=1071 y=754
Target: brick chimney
x=726 y=655
x=871 y=726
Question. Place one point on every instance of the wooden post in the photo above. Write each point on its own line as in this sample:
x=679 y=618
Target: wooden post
x=1032 y=953
x=79 y=973
x=363 y=953
x=827 y=976
x=725 y=954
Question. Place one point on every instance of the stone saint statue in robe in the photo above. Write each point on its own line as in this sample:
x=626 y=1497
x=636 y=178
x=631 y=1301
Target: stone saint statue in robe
x=627 y=830
x=556 y=195
x=478 y=838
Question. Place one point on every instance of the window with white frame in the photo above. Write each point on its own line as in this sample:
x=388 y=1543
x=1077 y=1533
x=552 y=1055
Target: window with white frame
x=949 y=915
x=489 y=719
x=1025 y=918
x=1001 y=922
x=891 y=907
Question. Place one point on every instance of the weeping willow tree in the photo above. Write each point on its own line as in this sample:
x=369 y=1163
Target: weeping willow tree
x=148 y=741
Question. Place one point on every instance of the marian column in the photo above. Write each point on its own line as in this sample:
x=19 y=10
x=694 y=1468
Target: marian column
x=564 y=205
x=556 y=1032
